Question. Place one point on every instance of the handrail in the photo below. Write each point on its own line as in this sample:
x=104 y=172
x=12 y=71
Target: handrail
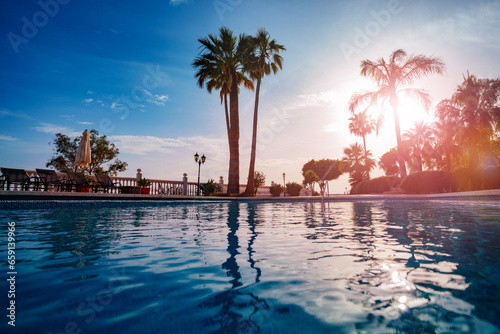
x=157 y=187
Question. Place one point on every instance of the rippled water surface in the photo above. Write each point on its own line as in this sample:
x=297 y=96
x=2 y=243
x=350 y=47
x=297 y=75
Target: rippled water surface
x=341 y=267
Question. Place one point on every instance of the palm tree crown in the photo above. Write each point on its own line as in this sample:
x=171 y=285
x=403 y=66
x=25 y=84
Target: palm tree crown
x=361 y=124
x=392 y=77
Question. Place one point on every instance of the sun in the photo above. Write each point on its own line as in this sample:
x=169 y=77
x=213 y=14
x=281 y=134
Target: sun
x=411 y=111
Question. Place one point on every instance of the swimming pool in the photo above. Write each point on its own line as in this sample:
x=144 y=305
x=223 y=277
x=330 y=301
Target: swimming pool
x=257 y=267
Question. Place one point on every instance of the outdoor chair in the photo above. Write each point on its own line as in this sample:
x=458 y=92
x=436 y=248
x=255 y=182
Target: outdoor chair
x=105 y=182
x=78 y=181
x=50 y=178
x=18 y=176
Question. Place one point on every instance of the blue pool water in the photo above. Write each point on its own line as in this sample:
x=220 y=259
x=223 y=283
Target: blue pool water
x=237 y=267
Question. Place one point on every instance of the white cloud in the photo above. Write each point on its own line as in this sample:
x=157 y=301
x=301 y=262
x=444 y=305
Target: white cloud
x=177 y=2
x=325 y=98
x=155 y=98
x=85 y=123
x=88 y=100
x=141 y=145
x=5 y=112
x=7 y=138
x=116 y=105
x=90 y=92
x=53 y=129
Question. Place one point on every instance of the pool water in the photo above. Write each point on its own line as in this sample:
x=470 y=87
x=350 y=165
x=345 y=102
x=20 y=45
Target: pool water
x=257 y=267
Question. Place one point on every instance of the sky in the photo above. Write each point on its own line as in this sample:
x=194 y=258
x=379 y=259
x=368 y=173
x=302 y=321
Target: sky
x=125 y=69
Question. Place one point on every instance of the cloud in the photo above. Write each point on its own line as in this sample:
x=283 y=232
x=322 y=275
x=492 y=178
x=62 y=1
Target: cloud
x=88 y=100
x=5 y=112
x=474 y=24
x=325 y=98
x=116 y=105
x=90 y=92
x=155 y=98
x=85 y=123
x=53 y=129
x=177 y=2
x=7 y=138
x=142 y=145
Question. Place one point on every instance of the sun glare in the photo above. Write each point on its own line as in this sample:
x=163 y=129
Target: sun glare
x=411 y=111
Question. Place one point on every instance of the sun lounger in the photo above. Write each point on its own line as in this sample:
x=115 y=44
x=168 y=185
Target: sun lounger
x=78 y=182
x=18 y=176
x=105 y=182
x=50 y=178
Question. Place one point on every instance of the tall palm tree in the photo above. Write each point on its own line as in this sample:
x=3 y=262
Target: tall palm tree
x=446 y=128
x=223 y=64
x=401 y=70
x=419 y=138
x=357 y=163
x=361 y=125
x=269 y=61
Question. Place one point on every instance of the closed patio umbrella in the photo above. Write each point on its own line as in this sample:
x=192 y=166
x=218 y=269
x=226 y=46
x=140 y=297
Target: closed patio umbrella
x=83 y=153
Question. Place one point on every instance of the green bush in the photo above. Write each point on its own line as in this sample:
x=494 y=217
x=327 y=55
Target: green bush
x=210 y=188
x=428 y=182
x=276 y=189
x=377 y=185
x=293 y=189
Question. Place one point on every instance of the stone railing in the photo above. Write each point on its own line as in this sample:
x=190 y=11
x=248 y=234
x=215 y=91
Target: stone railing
x=157 y=187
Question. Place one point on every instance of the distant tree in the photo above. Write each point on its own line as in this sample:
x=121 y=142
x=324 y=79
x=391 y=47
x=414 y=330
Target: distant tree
x=475 y=110
x=357 y=163
x=102 y=153
x=401 y=70
x=268 y=61
x=361 y=125
x=259 y=179
x=309 y=178
x=388 y=162
x=325 y=170
x=420 y=139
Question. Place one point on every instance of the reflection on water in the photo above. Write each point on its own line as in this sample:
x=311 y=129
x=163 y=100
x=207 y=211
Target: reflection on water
x=374 y=267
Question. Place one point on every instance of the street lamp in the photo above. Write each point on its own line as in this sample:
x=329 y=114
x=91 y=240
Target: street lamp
x=284 y=185
x=199 y=161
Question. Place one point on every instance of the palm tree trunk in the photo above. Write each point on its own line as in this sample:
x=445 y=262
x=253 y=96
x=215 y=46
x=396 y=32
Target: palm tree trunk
x=233 y=186
x=250 y=189
x=228 y=127
x=364 y=143
x=401 y=159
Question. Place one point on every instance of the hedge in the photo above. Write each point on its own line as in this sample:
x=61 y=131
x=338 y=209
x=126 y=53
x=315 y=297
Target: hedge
x=377 y=185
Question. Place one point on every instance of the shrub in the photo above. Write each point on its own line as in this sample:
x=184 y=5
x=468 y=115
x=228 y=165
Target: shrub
x=276 y=189
x=377 y=185
x=293 y=188
x=467 y=179
x=144 y=182
x=210 y=188
x=428 y=182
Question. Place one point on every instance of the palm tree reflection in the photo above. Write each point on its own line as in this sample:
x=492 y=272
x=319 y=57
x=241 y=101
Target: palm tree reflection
x=238 y=308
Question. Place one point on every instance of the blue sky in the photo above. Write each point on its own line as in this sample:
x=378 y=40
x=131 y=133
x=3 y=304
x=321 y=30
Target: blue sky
x=124 y=68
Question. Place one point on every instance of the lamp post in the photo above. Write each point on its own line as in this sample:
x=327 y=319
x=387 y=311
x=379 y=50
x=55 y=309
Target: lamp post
x=199 y=161
x=284 y=185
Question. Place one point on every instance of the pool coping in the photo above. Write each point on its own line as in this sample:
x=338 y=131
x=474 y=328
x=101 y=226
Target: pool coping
x=493 y=194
